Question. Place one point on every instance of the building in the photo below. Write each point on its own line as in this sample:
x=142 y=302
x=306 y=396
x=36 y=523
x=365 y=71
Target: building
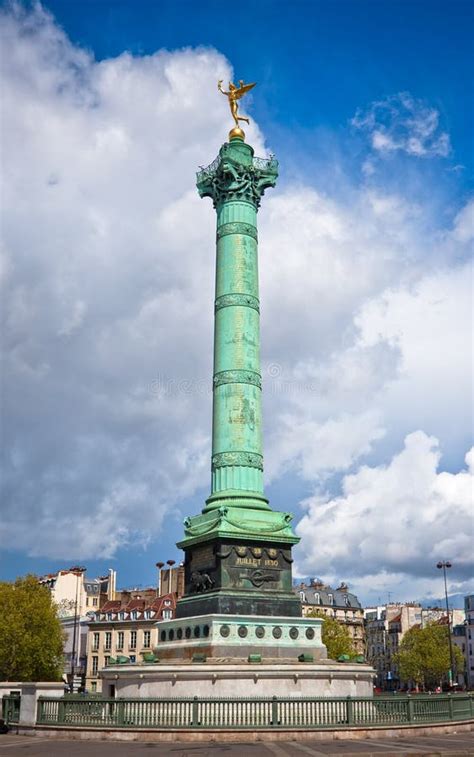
x=75 y=595
x=338 y=603
x=125 y=627
x=385 y=627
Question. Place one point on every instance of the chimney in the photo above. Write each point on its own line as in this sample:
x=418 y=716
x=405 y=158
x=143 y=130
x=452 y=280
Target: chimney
x=111 y=584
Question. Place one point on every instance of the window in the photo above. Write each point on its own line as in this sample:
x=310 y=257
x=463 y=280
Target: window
x=108 y=639
x=133 y=639
x=87 y=601
x=146 y=638
x=95 y=602
x=95 y=665
x=167 y=602
x=147 y=614
x=95 y=641
x=166 y=614
x=106 y=660
x=93 y=686
x=120 y=639
x=302 y=596
x=134 y=615
x=109 y=616
x=122 y=616
x=316 y=598
x=330 y=599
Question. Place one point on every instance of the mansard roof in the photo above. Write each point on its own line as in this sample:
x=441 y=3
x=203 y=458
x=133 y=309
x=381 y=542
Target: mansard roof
x=320 y=595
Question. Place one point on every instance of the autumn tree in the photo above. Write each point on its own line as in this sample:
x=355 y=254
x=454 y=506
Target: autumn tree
x=424 y=656
x=31 y=637
x=335 y=636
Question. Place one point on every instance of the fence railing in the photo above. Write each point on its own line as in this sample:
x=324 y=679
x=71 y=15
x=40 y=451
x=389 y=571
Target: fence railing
x=11 y=708
x=295 y=712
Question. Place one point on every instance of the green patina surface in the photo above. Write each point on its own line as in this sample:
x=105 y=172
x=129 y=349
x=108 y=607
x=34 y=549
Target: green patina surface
x=237 y=513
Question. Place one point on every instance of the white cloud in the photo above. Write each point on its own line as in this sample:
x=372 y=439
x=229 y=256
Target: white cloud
x=403 y=123
x=108 y=267
x=395 y=518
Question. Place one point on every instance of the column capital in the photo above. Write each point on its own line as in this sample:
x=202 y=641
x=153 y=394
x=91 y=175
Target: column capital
x=237 y=175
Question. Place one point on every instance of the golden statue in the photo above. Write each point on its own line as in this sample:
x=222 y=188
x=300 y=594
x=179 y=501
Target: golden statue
x=234 y=94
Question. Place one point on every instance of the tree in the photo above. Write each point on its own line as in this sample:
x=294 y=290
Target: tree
x=335 y=636
x=31 y=637
x=424 y=657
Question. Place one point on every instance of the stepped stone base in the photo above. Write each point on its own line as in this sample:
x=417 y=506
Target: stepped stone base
x=221 y=679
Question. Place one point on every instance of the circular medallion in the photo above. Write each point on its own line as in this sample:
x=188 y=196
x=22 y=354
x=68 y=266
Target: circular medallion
x=257 y=551
x=277 y=632
x=241 y=551
x=224 y=631
x=260 y=632
x=294 y=633
x=272 y=553
x=243 y=631
x=310 y=633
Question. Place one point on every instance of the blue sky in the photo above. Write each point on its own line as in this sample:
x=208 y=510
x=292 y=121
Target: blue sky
x=364 y=253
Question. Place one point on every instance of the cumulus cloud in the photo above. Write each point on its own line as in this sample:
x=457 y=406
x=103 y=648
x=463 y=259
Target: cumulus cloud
x=107 y=264
x=398 y=518
x=403 y=123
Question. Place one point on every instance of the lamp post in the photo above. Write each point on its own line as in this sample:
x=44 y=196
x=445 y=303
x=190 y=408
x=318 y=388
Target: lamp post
x=170 y=563
x=442 y=565
x=159 y=565
x=79 y=572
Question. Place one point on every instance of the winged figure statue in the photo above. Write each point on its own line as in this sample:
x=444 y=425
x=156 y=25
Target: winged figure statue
x=234 y=94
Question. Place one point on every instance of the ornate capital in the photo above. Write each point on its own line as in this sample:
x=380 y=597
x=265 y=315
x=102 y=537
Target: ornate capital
x=237 y=175
x=247 y=459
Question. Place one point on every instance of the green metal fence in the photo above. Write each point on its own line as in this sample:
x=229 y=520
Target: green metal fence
x=301 y=712
x=11 y=708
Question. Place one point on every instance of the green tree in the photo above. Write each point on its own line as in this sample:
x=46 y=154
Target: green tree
x=424 y=657
x=31 y=637
x=335 y=636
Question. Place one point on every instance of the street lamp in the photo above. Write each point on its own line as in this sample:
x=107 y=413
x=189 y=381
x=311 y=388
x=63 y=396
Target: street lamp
x=79 y=571
x=442 y=565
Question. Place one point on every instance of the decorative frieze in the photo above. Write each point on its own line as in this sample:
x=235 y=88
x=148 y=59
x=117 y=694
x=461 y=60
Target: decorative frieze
x=237 y=227
x=248 y=459
x=237 y=377
x=243 y=300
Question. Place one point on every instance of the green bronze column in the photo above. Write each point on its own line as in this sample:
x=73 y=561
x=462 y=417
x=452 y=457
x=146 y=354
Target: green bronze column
x=237 y=550
x=236 y=183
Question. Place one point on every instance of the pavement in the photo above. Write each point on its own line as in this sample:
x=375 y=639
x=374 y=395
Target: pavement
x=36 y=746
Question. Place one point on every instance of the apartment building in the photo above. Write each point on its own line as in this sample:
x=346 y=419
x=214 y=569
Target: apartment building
x=125 y=627
x=338 y=603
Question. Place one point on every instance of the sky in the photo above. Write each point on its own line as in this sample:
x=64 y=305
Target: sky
x=365 y=247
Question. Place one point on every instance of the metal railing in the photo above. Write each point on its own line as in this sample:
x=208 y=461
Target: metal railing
x=11 y=708
x=282 y=712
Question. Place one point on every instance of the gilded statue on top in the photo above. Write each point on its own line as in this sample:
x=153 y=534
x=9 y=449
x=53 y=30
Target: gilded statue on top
x=233 y=95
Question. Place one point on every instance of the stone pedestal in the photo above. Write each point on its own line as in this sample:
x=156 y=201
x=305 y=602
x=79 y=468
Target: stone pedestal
x=233 y=637
x=214 y=680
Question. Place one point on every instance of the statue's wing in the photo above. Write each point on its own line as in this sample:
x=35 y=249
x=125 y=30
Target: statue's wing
x=243 y=90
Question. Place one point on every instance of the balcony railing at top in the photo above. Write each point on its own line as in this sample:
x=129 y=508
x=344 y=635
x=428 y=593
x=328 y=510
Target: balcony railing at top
x=260 y=164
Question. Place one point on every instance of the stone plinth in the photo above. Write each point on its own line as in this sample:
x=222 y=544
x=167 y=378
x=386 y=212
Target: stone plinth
x=324 y=679
x=234 y=637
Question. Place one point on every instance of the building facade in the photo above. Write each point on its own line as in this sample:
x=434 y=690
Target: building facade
x=338 y=603
x=127 y=628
